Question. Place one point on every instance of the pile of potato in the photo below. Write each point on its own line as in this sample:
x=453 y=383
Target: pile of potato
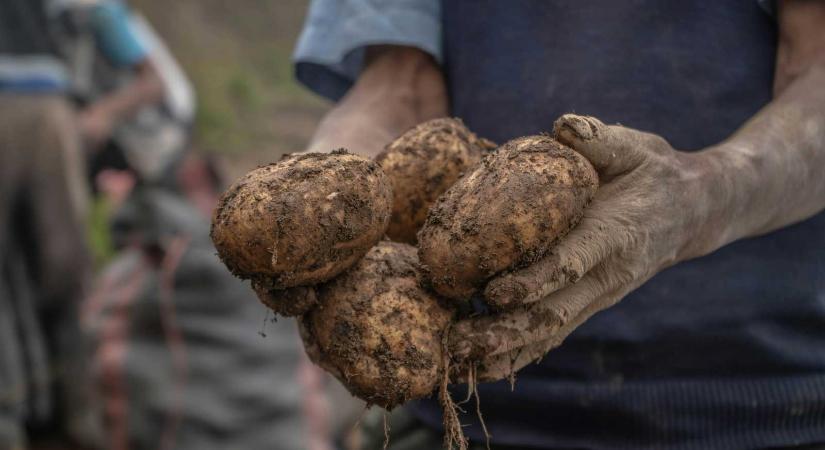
x=377 y=311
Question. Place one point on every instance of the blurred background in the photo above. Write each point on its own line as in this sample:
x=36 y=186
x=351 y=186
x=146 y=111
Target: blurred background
x=250 y=108
x=120 y=124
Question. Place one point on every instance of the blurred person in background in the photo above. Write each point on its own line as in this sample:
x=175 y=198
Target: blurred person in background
x=185 y=356
x=45 y=395
x=724 y=351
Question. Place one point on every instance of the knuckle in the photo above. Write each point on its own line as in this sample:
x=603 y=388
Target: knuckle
x=657 y=144
x=582 y=127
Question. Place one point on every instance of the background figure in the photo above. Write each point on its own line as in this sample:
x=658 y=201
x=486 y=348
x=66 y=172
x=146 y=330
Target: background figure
x=43 y=268
x=184 y=354
x=44 y=265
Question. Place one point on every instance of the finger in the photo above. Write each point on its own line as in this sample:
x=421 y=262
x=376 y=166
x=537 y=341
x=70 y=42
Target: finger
x=589 y=243
x=612 y=149
x=287 y=302
x=480 y=337
x=505 y=365
x=497 y=367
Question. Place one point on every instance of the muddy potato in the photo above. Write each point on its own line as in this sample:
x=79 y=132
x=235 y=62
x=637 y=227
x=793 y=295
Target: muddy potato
x=423 y=163
x=507 y=212
x=377 y=331
x=303 y=220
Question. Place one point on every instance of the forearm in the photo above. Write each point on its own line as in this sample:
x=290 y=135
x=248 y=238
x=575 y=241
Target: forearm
x=399 y=88
x=769 y=174
x=146 y=89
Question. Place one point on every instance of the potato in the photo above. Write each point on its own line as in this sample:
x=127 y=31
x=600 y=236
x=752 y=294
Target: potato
x=377 y=331
x=423 y=163
x=509 y=211
x=303 y=220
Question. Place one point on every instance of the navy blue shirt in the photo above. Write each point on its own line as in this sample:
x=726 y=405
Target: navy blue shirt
x=721 y=352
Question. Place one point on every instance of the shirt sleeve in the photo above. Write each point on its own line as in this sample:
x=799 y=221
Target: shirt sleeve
x=115 y=34
x=330 y=51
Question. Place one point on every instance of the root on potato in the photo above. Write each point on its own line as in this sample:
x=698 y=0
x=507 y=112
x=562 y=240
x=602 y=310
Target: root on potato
x=421 y=165
x=509 y=211
x=301 y=221
x=377 y=331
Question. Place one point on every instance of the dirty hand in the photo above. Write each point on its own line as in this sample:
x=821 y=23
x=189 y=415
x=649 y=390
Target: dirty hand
x=398 y=88
x=650 y=212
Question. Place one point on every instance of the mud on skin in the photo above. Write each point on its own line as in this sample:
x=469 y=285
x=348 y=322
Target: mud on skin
x=507 y=213
x=421 y=165
x=302 y=220
x=377 y=331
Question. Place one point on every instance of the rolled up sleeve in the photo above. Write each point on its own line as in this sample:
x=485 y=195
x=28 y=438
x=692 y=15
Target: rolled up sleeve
x=330 y=51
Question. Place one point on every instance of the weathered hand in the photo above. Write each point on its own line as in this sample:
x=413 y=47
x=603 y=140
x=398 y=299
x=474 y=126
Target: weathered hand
x=651 y=211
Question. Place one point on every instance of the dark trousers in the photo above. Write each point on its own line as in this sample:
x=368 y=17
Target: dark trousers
x=44 y=266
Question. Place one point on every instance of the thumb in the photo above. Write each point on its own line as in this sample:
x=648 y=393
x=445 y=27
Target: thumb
x=612 y=149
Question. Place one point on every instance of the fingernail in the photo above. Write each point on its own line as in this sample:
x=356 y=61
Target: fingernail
x=577 y=126
x=504 y=293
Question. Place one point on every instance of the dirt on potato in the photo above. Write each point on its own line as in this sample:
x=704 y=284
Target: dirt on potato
x=421 y=165
x=377 y=330
x=303 y=220
x=508 y=212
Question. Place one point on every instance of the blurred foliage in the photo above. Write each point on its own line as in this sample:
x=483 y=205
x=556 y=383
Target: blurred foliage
x=237 y=55
x=99 y=232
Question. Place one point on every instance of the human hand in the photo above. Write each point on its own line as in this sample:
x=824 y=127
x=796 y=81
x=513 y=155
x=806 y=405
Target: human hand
x=652 y=210
x=398 y=88
x=96 y=126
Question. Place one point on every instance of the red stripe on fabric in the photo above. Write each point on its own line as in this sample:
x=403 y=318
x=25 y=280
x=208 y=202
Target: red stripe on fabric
x=174 y=337
x=316 y=408
x=111 y=356
x=93 y=304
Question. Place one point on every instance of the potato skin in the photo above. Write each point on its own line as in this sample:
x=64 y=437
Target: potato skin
x=421 y=165
x=509 y=211
x=303 y=220
x=377 y=330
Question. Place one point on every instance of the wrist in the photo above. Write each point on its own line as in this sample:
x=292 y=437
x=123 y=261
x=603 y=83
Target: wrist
x=399 y=88
x=721 y=180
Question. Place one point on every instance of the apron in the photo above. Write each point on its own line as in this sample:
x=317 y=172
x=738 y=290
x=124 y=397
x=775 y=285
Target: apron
x=725 y=351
